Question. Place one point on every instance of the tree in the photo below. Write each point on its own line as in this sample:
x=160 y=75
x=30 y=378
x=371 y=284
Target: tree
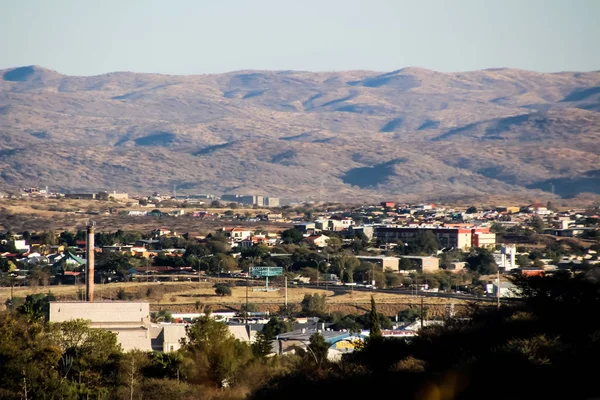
x=319 y=347
x=472 y=210
x=291 y=236
x=523 y=261
x=537 y=224
x=86 y=354
x=482 y=261
x=217 y=354
x=391 y=279
x=276 y=326
x=409 y=315
x=375 y=328
x=313 y=305
x=262 y=345
x=161 y=316
x=425 y=242
x=222 y=289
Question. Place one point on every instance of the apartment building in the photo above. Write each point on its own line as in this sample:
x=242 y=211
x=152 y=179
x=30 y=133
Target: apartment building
x=449 y=237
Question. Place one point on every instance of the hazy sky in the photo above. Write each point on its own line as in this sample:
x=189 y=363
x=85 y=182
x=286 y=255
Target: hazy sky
x=85 y=37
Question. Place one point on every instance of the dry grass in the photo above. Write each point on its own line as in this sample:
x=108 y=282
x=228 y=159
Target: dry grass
x=178 y=295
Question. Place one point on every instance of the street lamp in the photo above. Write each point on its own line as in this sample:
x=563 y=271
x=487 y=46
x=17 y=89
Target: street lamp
x=318 y=263
x=219 y=270
x=199 y=260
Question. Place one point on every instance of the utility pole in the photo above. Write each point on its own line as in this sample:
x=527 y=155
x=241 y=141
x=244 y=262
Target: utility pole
x=286 y=297
x=498 y=290
x=422 y=314
x=246 y=311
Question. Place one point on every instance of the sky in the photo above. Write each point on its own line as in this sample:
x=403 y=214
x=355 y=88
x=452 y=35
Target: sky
x=88 y=37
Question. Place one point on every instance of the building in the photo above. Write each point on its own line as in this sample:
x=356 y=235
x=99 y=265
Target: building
x=366 y=230
x=237 y=234
x=80 y=196
x=507 y=289
x=167 y=337
x=506 y=257
x=130 y=321
x=317 y=240
x=306 y=227
x=449 y=237
x=384 y=262
x=271 y=202
x=457 y=266
x=388 y=204
x=482 y=237
x=508 y=209
x=275 y=217
x=425 y=263
x=112 y=196
x=252 y=200
x=334 y=224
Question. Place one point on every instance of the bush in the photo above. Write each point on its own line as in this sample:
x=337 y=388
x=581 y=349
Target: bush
x=222 y=289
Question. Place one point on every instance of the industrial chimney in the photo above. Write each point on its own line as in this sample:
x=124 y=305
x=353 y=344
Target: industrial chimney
x=89 y=266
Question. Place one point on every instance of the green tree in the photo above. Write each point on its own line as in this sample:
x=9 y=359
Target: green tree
x=425 y=243
x=262 y=345
x=375 y=328
x=276 y=326
x=291 y=236
x=472 y=210
x=409 y=315
x=482 y=261
x=161 y=316
x=217 y=354
x=87 y=354
x=318 y=347
x=222 y=289
x=313 y=305
x=537 y=224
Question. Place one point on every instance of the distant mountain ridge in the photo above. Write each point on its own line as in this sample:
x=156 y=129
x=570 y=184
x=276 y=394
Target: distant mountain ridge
x=407 y=134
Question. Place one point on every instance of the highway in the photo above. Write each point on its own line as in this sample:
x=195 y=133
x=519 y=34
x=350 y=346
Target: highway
x=407 y=292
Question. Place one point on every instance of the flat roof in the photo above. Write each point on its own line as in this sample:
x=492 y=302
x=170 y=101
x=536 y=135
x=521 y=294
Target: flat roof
x=299 y=335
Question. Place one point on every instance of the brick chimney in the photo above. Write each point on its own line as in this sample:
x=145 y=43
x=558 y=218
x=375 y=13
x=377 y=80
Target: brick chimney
x=89 y=266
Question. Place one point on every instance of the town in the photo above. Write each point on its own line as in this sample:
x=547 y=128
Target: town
x=446 y=254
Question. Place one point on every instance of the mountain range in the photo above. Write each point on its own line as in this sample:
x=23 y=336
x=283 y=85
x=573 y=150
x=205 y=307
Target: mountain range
x=411 y=134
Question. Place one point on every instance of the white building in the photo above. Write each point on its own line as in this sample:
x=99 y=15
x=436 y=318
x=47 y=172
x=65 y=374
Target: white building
x=130 y=321
x=505 y=258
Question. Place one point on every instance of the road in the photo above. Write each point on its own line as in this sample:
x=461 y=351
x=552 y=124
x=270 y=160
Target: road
x=407 y=292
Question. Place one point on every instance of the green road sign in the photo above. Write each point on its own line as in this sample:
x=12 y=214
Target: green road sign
x=262 y=272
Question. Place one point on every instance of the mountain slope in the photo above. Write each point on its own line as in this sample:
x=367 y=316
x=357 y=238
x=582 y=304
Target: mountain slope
x=410 y=133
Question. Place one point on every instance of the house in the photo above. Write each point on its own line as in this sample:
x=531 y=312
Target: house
x=66 y=262
x=237 y=234
x=316 y=240
x=388 y=204
x=275 y=217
